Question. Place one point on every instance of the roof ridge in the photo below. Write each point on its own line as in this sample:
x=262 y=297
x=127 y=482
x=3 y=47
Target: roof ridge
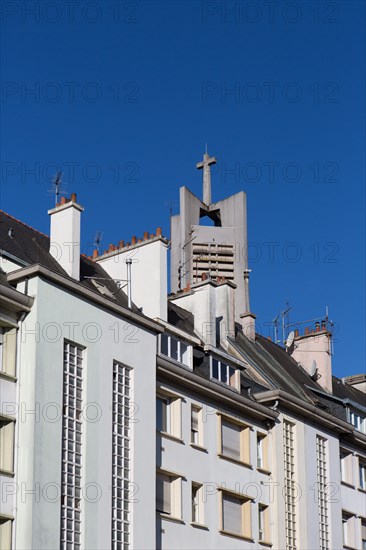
x=25 y=224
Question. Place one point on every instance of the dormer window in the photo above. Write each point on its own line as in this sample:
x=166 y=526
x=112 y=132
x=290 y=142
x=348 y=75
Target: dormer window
x=176 y=349
x=223 y=373
x=358 y=421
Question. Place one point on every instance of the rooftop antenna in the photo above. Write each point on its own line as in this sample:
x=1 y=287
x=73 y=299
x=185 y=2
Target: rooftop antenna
x=57 y=187
x=98 y=239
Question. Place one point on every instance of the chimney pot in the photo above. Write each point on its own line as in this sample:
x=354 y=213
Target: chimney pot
x=317 y=326
x=146 y=235
x=296 y=332
x=133 y=240
x=73 y=197
x=188 y=288
x=204 y=276
x=152 y=236
x=307 y=331
x=158 y=232
x=63 y=200
x=95 y=253
x=111 y=248
x=139 y=240
x=121 y=244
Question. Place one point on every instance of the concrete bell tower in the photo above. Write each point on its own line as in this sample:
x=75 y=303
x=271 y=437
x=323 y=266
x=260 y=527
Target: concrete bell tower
x=219 y=250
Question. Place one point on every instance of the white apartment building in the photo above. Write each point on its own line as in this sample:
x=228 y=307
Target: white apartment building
x=134 y=419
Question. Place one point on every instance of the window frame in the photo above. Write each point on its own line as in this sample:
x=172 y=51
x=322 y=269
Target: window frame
x=175 y=482
x=174 y=415
x=262 y=443
x=362 y=474
x=264 y=525
x=180 y=342
x=348 y=531
x=346 y=467
x=246 y=515
x=200 y=442
x=244 y=440
x=220 y=364
x=7 y=455
x=357 y=420
x=4 y=369
x=200 y=511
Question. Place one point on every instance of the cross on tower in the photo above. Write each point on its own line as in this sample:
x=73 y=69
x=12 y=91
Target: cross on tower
x=205 y=164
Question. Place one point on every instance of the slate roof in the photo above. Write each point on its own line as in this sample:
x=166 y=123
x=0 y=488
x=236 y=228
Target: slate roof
x=181 y=318
x=32 y=247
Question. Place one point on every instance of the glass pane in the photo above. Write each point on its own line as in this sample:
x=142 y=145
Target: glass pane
x=161 y=414
x=164 y=344
x=215 y=368
x=174 y=348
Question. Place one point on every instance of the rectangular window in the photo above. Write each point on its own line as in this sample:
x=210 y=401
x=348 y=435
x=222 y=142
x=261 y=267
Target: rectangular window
x=223 y=372
x=348 y=524
x=362 y=474
x=163 y=414
x=321 y=463
x=5 y=532
x=262 y=452
x=196 y=426
x=263 y=524
x=8 y=347
x=197 y=504
x=71 y=448
x=176 y=349
x=168 y=494
x=6 y=445
x=235 y=439
x=290 y=488
x=236 y=515
x=168 y=415
x=363 y=533
x=121 y=459
x=358 y=421
x=346 y=467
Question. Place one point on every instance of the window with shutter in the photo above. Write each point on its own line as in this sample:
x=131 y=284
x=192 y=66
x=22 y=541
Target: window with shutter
x=236 y=515
x=163 y=494
x=5 y=532
x=8 y=346
x=6 y=445
x=232 y=514
x=230 y=434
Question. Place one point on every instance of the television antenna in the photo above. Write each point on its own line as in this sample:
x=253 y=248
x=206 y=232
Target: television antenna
x=98 y=239
x=58 y=186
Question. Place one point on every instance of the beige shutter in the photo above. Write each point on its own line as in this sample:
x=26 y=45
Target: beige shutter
x=5 y=533
x=6 y=445
x=9 y=350
x=230 y=434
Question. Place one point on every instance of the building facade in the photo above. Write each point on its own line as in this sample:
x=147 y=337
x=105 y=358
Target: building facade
x=134 y=419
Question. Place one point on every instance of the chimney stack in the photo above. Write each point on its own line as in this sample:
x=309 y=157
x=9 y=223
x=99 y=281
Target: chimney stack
x=313 y=348
x=247 y=318
x=65 y=235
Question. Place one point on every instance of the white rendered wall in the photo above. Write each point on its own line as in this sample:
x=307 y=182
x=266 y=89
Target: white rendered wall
x=207 y=468
x=148 y=273
x=59 y=314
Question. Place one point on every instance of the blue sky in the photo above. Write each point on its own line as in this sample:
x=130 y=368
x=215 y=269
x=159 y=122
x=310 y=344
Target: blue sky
x=122 y=97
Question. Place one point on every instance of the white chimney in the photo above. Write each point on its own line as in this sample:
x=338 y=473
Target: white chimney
x=313 y=351
x=149 y=272
x=65 y=235
x=248 y=325
x=247 y=318
x=212 y=304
